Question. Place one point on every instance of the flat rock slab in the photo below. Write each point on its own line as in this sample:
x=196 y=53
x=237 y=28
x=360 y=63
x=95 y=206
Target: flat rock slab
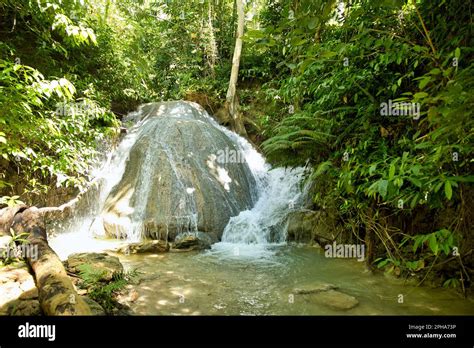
x=313 y=289
x=336 y=300
x=102 y=263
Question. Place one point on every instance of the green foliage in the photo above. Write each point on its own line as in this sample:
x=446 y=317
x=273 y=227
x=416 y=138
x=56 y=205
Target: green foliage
x=88 y=59
x=104 y=293
x=452 y=283
x=438 y=245
x=335 y=69
x=10 y=201
x=39 y=139
x=442 y=240
x=10 y=256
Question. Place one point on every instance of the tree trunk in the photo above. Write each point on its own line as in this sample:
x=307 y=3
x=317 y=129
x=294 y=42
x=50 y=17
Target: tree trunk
x=232 y=104
x=212 y=50
x=56 y=293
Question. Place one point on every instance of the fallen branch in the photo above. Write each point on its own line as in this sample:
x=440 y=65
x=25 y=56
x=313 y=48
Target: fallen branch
x=57 y=295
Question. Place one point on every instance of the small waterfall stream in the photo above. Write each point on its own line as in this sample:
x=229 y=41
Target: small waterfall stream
x=265 y=222
x=275 y=192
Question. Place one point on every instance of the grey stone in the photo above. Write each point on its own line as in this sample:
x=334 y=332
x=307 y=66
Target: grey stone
x=336 y=300
x=96 y=308
x=173 y=181
x=311 y=226
x=193 y=241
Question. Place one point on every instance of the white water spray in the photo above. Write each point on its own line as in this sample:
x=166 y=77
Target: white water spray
x=276 y=193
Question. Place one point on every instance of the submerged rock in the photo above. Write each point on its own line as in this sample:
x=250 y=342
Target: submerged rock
x=327 y=295
x=177 y=179
x=312 y=289
x=336 y=300
x=195 y=241
x=149 y=246
x=101 y=263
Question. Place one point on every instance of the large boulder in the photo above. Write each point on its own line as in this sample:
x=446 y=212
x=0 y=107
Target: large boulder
x=196 y=241
x=175 y=180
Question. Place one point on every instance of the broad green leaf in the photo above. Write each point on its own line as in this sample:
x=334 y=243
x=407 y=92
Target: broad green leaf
x=391 y=172
x=420 y=95
x=457 y=53
x=327 y=54
x=424 y=82
x=312 y=23
x=448 y=191
x=382 y=188
x=415 y=181
x=433 y=244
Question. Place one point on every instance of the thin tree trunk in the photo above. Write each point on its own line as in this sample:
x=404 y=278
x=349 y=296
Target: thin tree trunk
x=212 y=43
x=232 y=104
x=106 y=12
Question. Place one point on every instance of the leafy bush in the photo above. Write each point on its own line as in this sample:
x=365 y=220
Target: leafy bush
x=104 y=293
x=381 y=172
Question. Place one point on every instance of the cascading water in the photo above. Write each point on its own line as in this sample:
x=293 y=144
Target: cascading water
x=266 y=221
x=255 y=232
x=173 y=146
x=77 y=233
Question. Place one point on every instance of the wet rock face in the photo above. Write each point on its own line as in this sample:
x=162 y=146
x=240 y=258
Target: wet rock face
x=308 y=226
x=174 y=180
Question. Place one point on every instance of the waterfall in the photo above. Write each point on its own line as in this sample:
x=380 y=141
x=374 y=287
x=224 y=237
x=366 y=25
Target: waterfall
x=266 y=221
x=166 y=132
